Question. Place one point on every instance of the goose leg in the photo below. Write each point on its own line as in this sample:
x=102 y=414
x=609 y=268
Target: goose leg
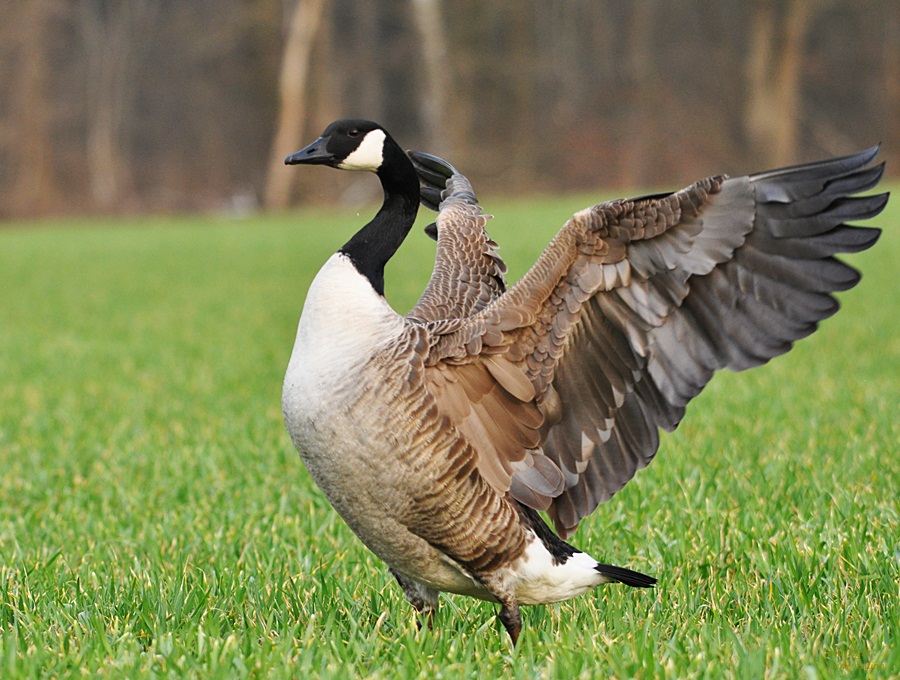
x=511 y=619
x=423 y=599
x=509 y=614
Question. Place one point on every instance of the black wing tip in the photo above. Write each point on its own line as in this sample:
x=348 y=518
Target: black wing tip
x=430 y=197
x=878 y=172
x=867 y=154
x=838 y=165
x=431 y=166
x=868 y=237
x=859 y=159
x=434 y=174
x=635 y=579
x=877 y=204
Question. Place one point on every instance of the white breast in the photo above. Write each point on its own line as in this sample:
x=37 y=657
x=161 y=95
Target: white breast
x=343 y=321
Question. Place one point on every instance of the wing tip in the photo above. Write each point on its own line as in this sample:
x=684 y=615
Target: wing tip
x=433 y=168
x=836 y=166
x=879 y=201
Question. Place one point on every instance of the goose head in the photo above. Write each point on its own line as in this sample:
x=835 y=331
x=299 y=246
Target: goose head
x=355 y=144
x=347 y=144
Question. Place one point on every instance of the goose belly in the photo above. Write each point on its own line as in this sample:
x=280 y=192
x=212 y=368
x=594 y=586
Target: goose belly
x=345 y=396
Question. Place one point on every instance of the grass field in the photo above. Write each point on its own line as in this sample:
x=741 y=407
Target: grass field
x=156 y=521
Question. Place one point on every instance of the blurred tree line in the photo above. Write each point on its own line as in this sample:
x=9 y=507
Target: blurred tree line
x=163 y=105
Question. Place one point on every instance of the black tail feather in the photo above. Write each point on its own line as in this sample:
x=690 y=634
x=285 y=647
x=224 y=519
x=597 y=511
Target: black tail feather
x=562 y=551
x=635 y=579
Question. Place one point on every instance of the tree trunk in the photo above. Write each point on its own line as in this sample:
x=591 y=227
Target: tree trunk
x=29 y=136
x=891 y=51
x=110 y=33
x=444 y=128
x=292 y=89
x=774 y=67
x=640 y=120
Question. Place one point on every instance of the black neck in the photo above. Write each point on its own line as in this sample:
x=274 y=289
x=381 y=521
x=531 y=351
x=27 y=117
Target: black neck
x=373 y=245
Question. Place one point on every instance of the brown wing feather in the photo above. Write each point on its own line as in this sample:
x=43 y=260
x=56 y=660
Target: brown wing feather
x=468 y=271
x=635 y=304
x=492 y=404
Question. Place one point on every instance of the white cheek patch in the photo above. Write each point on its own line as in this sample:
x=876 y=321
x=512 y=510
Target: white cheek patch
x=369 y=155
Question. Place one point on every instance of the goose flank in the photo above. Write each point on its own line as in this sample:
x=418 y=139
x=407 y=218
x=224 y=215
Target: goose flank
x=439 y=436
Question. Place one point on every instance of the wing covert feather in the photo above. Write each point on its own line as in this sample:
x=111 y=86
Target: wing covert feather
x=632 y=308
x=469 y=272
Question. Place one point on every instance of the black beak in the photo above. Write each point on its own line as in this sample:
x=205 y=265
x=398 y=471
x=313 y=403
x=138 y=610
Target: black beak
x=314 y=154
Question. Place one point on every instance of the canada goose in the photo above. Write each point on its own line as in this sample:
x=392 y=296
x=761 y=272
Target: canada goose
x=440 y=435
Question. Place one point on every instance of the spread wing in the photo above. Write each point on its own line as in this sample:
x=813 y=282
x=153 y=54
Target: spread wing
x=563 y=382
x=468 y=271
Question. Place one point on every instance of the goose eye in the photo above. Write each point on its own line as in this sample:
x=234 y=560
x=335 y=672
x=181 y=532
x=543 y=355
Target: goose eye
x=353 y=133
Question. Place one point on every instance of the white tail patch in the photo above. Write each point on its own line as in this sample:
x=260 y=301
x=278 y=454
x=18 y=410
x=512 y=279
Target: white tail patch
x=540 y=579
x=369 y=155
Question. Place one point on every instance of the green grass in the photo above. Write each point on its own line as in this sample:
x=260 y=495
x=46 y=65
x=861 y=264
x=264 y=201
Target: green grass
x=155 y=519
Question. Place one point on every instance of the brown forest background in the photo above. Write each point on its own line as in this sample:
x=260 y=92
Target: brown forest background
x=173 y=105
